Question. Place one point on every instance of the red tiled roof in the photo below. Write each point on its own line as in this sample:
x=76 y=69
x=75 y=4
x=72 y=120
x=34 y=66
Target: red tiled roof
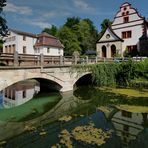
x=44 y=39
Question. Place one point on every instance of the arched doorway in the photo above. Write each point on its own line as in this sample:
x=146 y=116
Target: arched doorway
x=104 y=51
x=113 y=50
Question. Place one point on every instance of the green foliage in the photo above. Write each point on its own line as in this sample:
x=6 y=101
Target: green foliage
x=126 y=72
x=78 y=35
x=104 y=26
x=3 y=26
x=116 y=74
x=52 y=31
x=72 y=22
x=104 y=74
x=69 y=40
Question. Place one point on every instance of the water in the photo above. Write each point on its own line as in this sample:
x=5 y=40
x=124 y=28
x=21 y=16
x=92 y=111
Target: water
x=38 y=117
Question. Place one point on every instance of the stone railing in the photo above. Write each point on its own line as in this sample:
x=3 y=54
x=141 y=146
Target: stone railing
x=20 y=60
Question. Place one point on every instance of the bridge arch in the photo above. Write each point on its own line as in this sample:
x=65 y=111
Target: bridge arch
x=22 y=76
x=82 y=79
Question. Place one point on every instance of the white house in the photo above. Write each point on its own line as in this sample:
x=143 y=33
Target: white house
x=48 y=45
x=28 y=43
x=124 y=33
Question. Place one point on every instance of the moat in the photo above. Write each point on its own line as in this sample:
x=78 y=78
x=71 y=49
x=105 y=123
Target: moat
x=31 y=116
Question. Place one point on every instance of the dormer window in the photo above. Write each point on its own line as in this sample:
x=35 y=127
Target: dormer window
x=126 y=19
x=125 y=8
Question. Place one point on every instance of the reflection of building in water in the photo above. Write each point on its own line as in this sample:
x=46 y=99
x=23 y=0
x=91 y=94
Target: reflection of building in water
x=20 y=93
x=1 y=98
x=128 y=125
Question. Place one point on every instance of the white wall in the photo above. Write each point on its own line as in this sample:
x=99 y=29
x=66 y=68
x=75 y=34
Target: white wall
x=29 y=43
x=19 y=43
x=53 y=51
x=134 y=40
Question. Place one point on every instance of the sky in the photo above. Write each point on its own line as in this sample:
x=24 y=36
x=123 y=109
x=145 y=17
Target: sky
x=34 y=15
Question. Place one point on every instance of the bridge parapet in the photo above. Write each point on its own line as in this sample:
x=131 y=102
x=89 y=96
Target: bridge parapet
x=18 y=60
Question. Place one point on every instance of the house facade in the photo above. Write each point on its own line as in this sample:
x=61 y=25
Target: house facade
x=28 y=43
x=124 y=33
x=48 y=45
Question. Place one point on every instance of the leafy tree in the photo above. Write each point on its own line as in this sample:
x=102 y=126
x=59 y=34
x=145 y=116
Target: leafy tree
x=92 y=35
x=69 y=40
x=104 y=25
x=3 y=26
x=84 y=36
x=53 y=30
x=76 y=35
x=72 y=22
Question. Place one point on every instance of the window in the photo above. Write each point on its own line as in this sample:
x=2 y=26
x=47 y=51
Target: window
x=13 y=95
x=123 y=35
x=126 y=19
x=127 y=12
x=13 y=48
x=129 y=34
x=126 y=128
x=126 y=114
x=6 y=93
x=24 y=94
x=24 y=49
x=9 y=50
x=6 y=49
x=59 y=51
x=24 y=38
x=126 y=34
x=48 y=50
x=132 y=48
x=125 y=8
x=123 y=14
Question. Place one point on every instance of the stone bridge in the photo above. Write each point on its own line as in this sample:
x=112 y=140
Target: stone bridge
x=61 y=78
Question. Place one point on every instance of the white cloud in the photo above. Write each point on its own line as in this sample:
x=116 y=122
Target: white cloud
x=36 y=22
x=56 y=13
x=18 y=9
x=81 y=4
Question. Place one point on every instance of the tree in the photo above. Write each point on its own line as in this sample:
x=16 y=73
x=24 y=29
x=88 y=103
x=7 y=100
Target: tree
x=72 y=22
x=3 y=26
x=69 y=40
x=52 y=31
x=78 y=35
x=104 y=25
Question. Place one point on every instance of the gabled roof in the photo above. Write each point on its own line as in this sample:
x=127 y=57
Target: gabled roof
x=23 y=33
x=44 y=39
x=125 y=4
x=116 y=37
x=44 y=34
